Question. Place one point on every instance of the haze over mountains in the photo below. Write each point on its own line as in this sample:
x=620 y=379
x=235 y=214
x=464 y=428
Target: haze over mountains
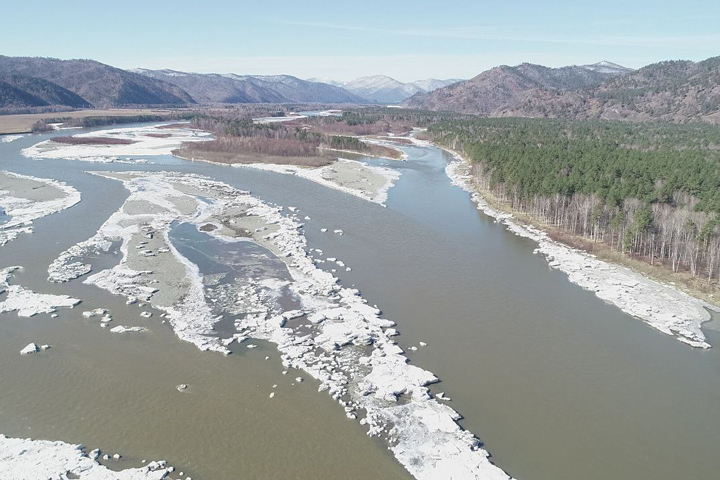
x=33 y=82
x=384 y=89
x=673 y=90
x=232 y=88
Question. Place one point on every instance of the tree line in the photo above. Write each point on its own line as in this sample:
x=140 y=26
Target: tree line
x=648 y=190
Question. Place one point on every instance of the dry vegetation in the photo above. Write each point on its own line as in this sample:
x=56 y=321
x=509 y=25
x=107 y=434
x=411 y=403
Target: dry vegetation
x=24 y=123
x=301 y=141
x=92 y=141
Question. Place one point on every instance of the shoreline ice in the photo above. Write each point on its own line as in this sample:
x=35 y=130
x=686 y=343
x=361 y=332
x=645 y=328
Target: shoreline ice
x=28 y=303
x=144 y=144
x=321 y=176
x=661 y=306
x=10 y=138
x=23 y=210
x=25 y=459
x=343 y=342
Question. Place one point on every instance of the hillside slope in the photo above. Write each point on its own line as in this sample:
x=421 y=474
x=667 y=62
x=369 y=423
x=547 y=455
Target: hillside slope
x=502 y=86
x=37 y=92
x=675 y=91
x=231 y=88
x=100 y=85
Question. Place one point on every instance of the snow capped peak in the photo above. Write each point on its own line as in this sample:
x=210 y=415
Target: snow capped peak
x=605 y=66
x=373 y=81
x=325 y=80
x=431 y=84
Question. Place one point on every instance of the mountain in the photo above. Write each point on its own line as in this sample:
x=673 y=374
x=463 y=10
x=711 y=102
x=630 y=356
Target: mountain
x=503 y=85
x=670 y=91
x=99 y=85
x=326 y=80
x=232 y=88
x=214 y=88
x=18 y=91
x=431 y=84
x=384 y=89
x=297 y=90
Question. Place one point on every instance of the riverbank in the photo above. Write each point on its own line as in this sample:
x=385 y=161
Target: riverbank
x=662 y=306
x=23 y=123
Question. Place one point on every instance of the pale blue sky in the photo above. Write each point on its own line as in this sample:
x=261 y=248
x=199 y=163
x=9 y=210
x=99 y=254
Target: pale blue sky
x=340 y=39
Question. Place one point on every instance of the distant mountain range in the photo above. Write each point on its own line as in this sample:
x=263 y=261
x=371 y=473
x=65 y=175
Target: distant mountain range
x=384 y=89
x=35 y=82
x=671 y=91
x=232 y=88
x=80 y=83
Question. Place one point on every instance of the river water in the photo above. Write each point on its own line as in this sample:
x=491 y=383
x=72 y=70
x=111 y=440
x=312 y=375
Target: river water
x=556 y=383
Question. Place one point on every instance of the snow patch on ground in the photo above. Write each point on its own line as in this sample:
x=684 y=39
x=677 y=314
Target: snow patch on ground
x=661 y=306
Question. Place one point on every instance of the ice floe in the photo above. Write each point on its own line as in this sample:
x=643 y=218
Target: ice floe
x=124 y=329
x=29 y=349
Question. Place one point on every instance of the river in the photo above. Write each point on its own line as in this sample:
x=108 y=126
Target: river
x=556 y=383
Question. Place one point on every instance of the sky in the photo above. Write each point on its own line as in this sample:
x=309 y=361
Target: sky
x=342 y=40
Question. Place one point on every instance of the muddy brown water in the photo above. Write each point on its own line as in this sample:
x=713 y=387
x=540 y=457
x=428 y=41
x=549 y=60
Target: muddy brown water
x=556 y=383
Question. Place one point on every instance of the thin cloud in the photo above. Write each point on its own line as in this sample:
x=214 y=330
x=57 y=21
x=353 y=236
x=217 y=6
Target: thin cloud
x=510 y=33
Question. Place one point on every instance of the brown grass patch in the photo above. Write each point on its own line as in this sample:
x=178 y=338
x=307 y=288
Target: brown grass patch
x=92 y=141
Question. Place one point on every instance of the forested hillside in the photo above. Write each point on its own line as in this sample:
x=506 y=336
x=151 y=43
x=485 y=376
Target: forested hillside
x=675 y=91
x=648 y=190
x=37 y=92
x=96 y=84
x=499 y=87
